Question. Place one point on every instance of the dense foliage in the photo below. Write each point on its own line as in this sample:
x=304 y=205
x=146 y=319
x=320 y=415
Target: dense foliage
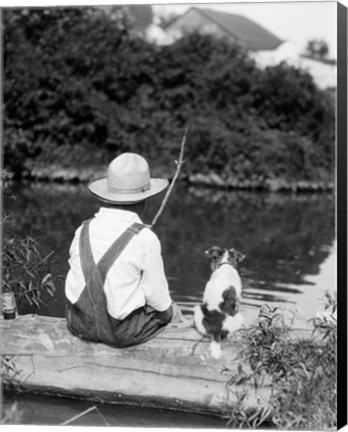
x=79 y=88
x=301 y=373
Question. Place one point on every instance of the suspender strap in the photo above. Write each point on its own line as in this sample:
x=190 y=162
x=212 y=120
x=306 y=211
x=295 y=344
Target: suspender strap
x=86 y=256
x=105 y=263
x=111 y=255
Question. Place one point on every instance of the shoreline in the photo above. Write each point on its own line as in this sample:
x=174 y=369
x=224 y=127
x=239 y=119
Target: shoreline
x=59 y=174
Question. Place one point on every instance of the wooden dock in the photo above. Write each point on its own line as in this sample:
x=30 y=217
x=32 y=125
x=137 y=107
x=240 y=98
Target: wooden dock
x=174 y=370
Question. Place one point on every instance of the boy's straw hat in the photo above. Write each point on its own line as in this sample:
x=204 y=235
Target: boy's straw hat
x=128 y=181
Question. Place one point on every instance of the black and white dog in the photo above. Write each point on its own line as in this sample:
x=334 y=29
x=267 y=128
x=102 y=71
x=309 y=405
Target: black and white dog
x=218 y=315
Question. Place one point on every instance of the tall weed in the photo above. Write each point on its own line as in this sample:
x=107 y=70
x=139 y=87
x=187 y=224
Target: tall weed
x=299 y=372
x=25 y=271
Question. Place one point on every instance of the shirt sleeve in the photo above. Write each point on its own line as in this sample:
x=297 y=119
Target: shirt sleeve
x=154 y=282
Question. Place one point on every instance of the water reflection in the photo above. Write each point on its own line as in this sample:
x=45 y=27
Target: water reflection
x=288 y=240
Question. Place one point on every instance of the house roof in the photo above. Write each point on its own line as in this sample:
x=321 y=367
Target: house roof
x=250 y=34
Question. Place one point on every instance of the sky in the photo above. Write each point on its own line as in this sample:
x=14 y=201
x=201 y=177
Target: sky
x=291 y=21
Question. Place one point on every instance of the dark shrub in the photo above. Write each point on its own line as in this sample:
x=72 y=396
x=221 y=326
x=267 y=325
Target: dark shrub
x=74 y=78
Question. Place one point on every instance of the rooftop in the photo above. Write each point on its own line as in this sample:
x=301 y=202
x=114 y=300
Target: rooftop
x=250 y=34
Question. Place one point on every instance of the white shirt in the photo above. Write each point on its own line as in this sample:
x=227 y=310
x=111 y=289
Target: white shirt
x=137 y=276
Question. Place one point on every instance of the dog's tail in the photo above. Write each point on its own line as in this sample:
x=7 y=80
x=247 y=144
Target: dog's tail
x=215 y=346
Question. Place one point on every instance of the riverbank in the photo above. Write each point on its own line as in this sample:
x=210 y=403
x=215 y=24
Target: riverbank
x=59 y=173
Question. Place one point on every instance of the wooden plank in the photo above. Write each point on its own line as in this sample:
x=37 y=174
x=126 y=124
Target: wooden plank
x=174 y=370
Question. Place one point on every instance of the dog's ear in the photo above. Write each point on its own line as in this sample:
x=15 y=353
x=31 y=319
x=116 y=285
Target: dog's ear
x=214 y=253
x=235 y=256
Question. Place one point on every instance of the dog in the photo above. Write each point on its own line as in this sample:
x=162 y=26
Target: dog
x=219 y=315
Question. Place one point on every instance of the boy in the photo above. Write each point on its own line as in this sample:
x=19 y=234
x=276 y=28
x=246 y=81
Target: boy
x=116 y=289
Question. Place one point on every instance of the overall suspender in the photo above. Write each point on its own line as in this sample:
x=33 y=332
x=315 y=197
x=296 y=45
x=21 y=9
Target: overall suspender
x=95 y=274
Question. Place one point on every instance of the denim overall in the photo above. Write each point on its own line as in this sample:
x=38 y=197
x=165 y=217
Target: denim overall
x=89 y=319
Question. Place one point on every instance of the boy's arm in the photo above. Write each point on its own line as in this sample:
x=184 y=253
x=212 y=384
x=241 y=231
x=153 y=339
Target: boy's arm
x=154 y=282
x=155 y=286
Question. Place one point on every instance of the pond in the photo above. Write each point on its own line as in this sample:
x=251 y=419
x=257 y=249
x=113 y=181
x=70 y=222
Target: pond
x=288 y=240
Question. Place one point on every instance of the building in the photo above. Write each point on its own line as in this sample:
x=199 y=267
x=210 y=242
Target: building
x=266 y=48
x=324 y=72
x=236 y=28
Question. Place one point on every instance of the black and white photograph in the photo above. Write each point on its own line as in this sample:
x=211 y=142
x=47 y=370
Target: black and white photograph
x=169 y=239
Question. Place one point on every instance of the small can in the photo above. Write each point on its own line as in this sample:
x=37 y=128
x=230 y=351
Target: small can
x=8 y=302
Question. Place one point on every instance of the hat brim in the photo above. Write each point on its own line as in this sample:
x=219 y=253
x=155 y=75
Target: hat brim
x=99 y=188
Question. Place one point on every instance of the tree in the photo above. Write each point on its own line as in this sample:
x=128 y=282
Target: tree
x=80 y=87
x=317 y=48
x=138 y=17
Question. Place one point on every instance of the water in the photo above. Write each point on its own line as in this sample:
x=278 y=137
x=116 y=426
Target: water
x=43 y=410
x=288 y=240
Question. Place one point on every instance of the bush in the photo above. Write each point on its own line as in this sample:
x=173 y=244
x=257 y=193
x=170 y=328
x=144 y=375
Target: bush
x=301 y=373
x=75 y=78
